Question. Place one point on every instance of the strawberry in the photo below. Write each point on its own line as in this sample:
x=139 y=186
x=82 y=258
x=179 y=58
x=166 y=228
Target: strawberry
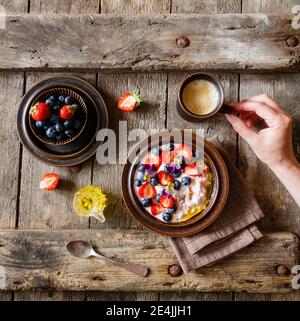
x=164 y=178
x=129 y=101
x=147 y=191
x=167 y=201
x=156 y=209
x=40 y=111
x=167 y=156
x=67 y=112
x=185 y=151
x=153 y=160
x=49 y=181
x=192 y=170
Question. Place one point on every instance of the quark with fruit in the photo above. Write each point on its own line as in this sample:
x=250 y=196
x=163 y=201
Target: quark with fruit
x=173 y=183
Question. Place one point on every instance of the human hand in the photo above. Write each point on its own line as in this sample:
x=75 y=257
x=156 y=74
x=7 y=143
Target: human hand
x=273 y=145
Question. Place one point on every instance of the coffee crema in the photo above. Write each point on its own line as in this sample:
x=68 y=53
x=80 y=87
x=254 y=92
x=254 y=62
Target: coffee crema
x=200 y=97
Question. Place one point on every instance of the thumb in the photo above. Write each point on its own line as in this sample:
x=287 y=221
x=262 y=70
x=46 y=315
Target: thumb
x=242 y=129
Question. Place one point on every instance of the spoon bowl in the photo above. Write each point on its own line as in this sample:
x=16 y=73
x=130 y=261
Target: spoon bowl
x=81 y=249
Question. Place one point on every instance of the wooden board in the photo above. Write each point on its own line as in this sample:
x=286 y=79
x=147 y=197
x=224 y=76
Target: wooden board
x=148 y=42
x=280 y=209
x=38 y=259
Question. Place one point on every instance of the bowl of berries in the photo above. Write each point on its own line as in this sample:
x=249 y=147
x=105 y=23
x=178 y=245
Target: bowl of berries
x=58 y=116
x=175 y=188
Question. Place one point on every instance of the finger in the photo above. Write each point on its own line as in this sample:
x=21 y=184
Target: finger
x=266 y=99
x=269 y=114
x=241 y=128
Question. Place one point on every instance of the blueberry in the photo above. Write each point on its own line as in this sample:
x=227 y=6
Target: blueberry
x=59 y=137
x=158 y=196
x=141 y=168
x=176 y=173
x=170 y=147
x=141 y=177
x=59 y=128
x=55 y=119
x=69 y=133
x=56 y=109
x=46 y=125
x=146 y=202
x=69 y=124
x=68 y=100
x=76 y=106
x=61 y=99
x=154 y=180
x=77 y=124
x=172 y=210
x=39 y=124
x=177 y=185
x=186 y=180
x=167 y=217
x=156 y=151
x=137 y=182
x=51 y=132
x=50 y=102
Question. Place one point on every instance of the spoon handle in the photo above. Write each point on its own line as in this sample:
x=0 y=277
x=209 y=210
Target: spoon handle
x=131 y=267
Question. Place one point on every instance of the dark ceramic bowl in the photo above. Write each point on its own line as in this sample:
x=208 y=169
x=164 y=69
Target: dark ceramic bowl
x=57 y=92
x=198 y=222
x=78 y=150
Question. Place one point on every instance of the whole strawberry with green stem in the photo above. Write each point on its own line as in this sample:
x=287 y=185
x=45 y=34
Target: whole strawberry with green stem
x=130 y=100
x=67 y=112
x=40 y=111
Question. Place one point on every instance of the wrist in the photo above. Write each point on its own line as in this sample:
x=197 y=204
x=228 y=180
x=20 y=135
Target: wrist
x=286 y=166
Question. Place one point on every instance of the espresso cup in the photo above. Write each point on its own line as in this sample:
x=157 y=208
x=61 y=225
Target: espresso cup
x=210 y=98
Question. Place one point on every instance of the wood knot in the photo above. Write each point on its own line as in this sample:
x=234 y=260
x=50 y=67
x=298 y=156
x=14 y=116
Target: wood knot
x=182 y=42
x=75 y=168
x=282 y=270
x=175 y=270
x=292 y=41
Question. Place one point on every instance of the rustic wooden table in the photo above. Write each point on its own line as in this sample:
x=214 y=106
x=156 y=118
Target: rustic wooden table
x=24 y=207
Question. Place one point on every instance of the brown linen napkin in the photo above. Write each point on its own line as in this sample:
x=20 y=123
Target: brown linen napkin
x=232 y=231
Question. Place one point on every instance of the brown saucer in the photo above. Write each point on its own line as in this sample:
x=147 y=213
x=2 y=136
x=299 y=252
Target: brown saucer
x=196 y=223
x=78 y=150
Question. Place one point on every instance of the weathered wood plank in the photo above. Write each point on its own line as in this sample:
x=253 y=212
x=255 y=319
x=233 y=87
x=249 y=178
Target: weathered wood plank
x=148 y=42
x=39 y=209
x=135 y=6
x=150 y=115
x=270 y=192
x=14 y=6
x=204 y=6
x=38 y=259
x=230 y=83
x=65 y=6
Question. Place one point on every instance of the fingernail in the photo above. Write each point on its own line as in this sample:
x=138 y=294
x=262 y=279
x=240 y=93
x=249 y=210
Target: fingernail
x=228 y=116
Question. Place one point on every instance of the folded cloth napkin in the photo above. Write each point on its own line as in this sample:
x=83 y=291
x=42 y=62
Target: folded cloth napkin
x=233 y=230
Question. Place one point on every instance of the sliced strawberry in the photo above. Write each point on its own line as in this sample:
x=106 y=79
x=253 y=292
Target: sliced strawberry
x=156 y=209
x=67 y=112
x=185 y=151
x=129 y=101
x=192 y=170
x=167 y=156
x=49 y=181
x=167 y=201
x=147 y=191
x=153 y=160
x=164 y=178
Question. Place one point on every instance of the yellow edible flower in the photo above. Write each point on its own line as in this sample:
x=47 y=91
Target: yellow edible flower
x=90 y=201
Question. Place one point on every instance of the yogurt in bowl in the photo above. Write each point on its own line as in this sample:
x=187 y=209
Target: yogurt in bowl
x=173 y=183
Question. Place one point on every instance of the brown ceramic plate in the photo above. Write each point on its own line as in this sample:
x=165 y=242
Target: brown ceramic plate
x=81 y=148
x=198 y=222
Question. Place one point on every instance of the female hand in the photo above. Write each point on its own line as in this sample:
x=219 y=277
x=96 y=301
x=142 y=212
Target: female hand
x=273 y=144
